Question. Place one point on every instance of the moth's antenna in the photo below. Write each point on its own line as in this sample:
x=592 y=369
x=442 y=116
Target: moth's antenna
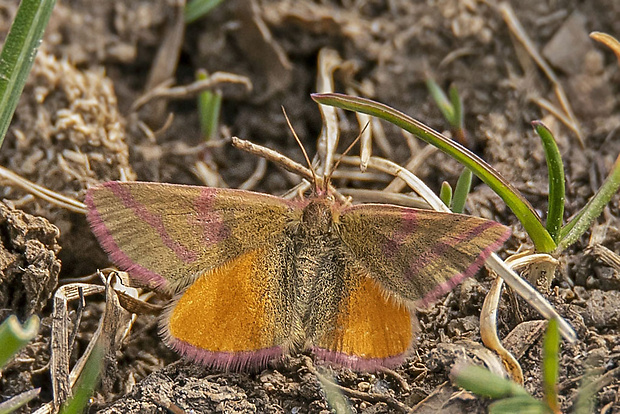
x=359 y=136
x=303 y=150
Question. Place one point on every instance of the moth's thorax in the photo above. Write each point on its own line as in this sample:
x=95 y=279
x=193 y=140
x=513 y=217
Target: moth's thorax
x=318 y=217
x=315 y=245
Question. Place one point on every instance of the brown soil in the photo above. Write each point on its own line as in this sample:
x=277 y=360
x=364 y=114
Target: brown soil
x=75 y=126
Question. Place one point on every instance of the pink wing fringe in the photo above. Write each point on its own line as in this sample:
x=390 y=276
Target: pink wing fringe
x=225 y=361
x=140 y=273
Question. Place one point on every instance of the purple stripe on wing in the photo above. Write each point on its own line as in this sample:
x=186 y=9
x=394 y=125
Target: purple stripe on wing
x=213 y=228
x=152 y=220
x=408 y=225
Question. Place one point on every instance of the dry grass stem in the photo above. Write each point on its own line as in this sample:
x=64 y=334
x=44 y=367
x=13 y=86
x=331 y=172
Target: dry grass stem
x=329 y=60
x=42 y=192
x=257 y=175
x=165 y=91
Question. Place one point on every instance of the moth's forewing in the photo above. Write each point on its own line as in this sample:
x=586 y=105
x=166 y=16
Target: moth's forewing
x=418 y=254
x=355 y=323
x=167 y=235
x=223 y=253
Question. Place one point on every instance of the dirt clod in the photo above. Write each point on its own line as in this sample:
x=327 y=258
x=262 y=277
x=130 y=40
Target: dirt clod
x=28 y=264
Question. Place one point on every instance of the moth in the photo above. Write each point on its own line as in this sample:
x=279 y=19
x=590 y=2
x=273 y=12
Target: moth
x=254 y=277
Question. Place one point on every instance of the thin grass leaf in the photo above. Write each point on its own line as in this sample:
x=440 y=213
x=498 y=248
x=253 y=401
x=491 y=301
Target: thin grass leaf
x=551 y=365
x=483 y=382
x=557 y=185
x=196 y=9
x=445 y=193
x=457 y=106
x=458 y=126
x=86 y=383
x=18 y=55
x=511 y=196
x=14 y=336
x=441 y=100
x=518 y=405
x=463 y=185
x=452 y=109
x=209 y=106
x=574 y=229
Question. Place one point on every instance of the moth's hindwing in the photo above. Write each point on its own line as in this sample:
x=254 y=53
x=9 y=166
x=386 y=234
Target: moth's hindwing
x=353 y=321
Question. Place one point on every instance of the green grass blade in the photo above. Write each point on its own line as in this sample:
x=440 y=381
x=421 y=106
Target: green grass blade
x=573 y=230
x=14 y=336
x=458 y=128
x=85 y=384
x=209 y=106
x=551 y=365
x=18 y=55
x=457 y=105
x=463 y=185
x=196 y=9
x=513 y=199
x=557 y=185
x=483 y=382
x=442 y=102
x=518 y=405
x=445 y=193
